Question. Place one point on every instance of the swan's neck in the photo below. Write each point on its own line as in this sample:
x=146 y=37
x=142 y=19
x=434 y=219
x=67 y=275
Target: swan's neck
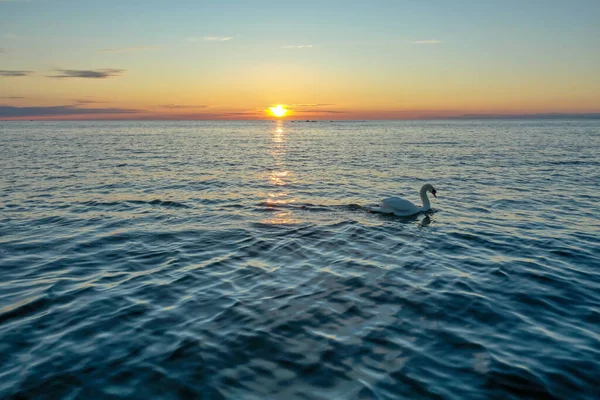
x=425 y=199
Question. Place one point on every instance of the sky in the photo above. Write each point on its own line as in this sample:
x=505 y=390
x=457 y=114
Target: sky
x=352 y=59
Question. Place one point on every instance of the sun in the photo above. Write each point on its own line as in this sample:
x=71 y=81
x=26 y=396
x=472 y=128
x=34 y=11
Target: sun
x=278 y=111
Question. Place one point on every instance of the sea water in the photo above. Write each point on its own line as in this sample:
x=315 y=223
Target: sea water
x=239 y=260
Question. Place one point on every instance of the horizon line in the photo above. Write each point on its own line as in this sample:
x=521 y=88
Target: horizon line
x=544 y=116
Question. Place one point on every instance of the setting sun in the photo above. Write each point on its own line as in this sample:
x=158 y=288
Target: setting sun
x=278 y=111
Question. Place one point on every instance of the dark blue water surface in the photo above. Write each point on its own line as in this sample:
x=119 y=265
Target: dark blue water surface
x=238 y=260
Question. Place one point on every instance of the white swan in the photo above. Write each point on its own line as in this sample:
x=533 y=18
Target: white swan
x=403 y=208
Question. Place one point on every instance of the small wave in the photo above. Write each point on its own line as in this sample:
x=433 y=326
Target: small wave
x=268 y=206
x=574 y=162
x=24 y=308
x=168 y=203
x=155 y=202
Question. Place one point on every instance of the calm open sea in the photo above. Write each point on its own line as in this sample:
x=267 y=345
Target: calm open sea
x=238 y=260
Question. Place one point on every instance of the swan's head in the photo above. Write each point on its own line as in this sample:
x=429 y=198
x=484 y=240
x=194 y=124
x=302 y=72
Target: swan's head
x=429 y=188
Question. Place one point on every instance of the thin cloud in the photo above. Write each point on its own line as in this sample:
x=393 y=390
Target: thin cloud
x=242 y=113
x=89 y=74
x=7 y=73
x=12 y=97
x=128 y=49
x=179 y=106
x=312 y=105
x=297 y=46
x=87 y=101
x=217 y=38
x=2 y=50
x=430 y=41
x=525 y=116
x=13 y=112
x=210 y=39
x=323 y=111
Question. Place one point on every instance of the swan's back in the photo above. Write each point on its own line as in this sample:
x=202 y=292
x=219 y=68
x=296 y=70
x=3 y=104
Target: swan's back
x=398 y=205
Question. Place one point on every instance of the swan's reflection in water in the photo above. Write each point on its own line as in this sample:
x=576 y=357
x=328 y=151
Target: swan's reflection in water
x=278 y=199
x=422 y=220
x=425 y=221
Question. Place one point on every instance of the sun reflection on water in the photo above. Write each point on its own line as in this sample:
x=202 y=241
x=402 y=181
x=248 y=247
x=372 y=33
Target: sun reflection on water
x=279 y=199
x=277 y=177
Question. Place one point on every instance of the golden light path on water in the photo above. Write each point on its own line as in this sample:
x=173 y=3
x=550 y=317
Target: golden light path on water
x=278 y=198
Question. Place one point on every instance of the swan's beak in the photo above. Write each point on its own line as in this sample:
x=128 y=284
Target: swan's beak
x=433 y=193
